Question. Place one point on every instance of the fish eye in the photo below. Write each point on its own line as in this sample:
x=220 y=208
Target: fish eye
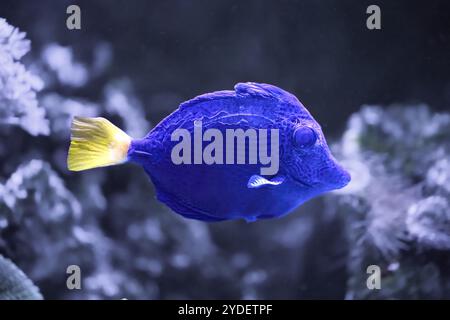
x=305 y=137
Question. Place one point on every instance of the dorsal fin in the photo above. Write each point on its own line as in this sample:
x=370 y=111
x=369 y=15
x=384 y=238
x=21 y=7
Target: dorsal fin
x=248 y=90
x=264 y=90
x=207 y=97
x=254 y=89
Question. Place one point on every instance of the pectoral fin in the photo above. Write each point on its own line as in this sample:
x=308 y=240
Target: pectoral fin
x=257 y=181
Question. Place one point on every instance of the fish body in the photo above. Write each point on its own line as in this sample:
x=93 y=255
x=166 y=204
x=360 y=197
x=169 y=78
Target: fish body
x=226 y=190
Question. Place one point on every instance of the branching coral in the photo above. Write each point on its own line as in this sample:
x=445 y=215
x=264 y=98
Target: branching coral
x=18 y=87
x=397 y=202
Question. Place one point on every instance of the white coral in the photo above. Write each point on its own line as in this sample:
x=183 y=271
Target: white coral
x=428 y=221
x=36 y=181
x=18 y=87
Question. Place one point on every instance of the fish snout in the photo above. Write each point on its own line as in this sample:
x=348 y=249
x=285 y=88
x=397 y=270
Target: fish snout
x=335 y=176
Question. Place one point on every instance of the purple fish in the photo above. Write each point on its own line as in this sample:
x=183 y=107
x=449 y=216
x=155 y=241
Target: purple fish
x=251 y=153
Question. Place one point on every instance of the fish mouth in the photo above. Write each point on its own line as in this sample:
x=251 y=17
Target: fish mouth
x=337 y=177
x=344 y=179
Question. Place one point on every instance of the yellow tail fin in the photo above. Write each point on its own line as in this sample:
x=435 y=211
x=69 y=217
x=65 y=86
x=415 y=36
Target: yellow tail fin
x=96 y=142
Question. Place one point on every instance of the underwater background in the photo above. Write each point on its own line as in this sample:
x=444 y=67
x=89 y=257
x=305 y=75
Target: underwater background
x=381 y=96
